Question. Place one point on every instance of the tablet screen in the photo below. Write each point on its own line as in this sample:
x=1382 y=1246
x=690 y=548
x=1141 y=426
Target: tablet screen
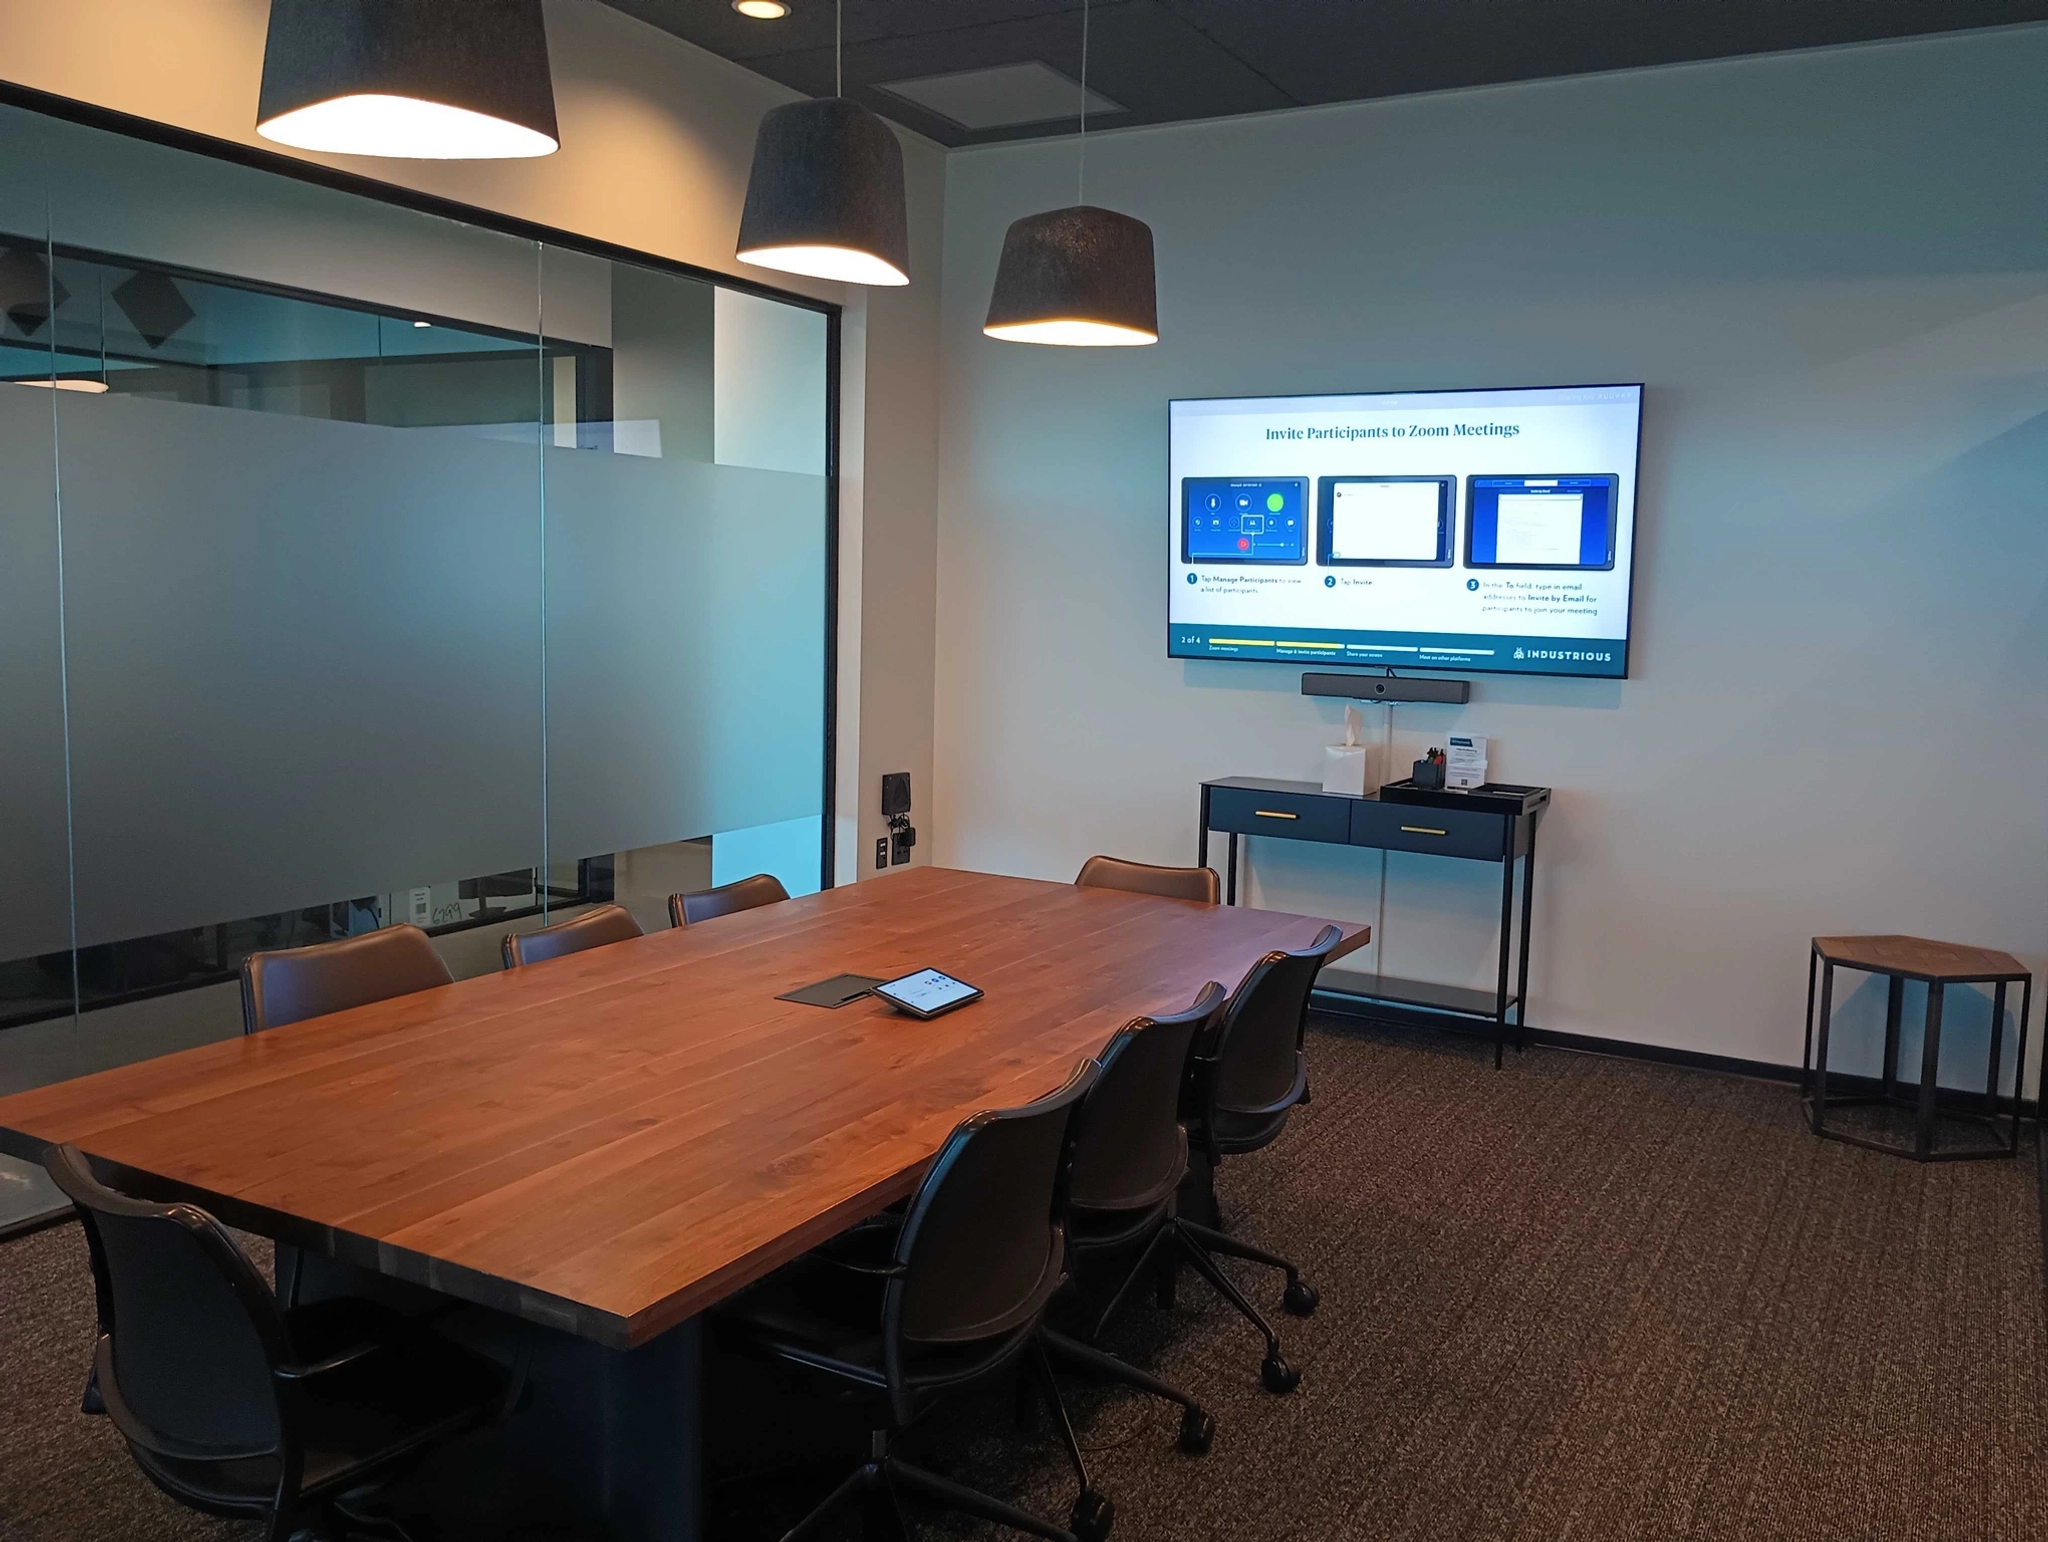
x=926 y=991
x=1402 y=521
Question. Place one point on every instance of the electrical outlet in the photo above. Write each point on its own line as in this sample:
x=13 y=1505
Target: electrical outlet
x=900 y=842
x=881 y=851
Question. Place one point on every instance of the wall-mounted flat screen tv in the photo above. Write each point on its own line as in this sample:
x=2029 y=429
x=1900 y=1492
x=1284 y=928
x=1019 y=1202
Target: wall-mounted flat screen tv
x=1466 y=530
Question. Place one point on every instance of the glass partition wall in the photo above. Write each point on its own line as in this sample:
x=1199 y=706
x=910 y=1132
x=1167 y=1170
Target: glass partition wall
x=362 y=566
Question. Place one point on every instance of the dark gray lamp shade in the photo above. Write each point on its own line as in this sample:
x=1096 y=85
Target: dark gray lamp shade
x=1081 y=277
x=825 y=197
x=425 y=79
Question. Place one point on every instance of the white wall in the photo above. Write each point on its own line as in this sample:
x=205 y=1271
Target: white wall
x=1830 y=268
x=657 y=138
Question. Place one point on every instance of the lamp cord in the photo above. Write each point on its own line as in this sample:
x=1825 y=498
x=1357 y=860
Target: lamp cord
x=839 y=49
x=1081 y=171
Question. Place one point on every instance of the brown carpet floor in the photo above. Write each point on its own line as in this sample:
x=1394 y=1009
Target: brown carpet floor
x=1583 y=1298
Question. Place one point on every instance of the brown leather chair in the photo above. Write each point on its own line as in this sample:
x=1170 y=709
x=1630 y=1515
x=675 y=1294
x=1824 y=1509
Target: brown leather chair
x=1188 y=883
x=742 y=894
x=607 y=923
x=290 y=984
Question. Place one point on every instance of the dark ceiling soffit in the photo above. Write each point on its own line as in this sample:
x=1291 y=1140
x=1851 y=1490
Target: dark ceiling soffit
x=91 y=115
x=796 y=68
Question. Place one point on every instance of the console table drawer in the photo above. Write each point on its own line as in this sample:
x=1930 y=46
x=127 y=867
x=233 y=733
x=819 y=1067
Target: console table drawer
x=1297 y=816
x=1443 y=832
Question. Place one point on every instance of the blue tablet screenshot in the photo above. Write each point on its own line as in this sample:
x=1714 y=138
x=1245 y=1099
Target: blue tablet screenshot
x=1244 y=519
x=1541 y=522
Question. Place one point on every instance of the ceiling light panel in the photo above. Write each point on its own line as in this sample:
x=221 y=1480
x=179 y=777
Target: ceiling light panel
x=1010 y=94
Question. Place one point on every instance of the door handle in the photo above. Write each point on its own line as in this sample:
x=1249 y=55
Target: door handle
x=1421 y=830
x=1268 y=813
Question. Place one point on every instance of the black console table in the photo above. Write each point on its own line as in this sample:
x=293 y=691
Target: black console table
x=1473 y=826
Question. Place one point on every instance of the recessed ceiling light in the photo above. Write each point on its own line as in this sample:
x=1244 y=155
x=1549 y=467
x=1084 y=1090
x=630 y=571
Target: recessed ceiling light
x=69 y=383
x=1002 y=97
x=422 y=323
x=761 y=10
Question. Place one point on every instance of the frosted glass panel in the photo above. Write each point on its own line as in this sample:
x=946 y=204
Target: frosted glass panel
x=409 y=572
x=685 y=649
x=37 y=979
x=35 y=899
x=686 y=541
x=304 y=660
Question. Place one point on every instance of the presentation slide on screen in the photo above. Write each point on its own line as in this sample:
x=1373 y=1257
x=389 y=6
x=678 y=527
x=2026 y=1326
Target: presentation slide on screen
x=1483 y=530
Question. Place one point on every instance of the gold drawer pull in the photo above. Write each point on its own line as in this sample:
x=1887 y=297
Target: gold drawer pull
x=1421 y=830
x=1270 y=813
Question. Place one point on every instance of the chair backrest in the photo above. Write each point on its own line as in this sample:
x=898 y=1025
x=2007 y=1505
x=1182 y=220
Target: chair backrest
x=191 y=1331
x=291 y=984
x=1188 y=883
x=1130 y=1151
x=1256 y=1060
x=983 y=1246
x=741 y=894
x=607 y=923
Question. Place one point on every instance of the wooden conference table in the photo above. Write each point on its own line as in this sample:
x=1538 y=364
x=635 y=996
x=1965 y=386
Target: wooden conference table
x=606 y=1144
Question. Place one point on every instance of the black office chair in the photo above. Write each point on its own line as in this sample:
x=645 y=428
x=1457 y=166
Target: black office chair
x=906 y=1311
x=1130 y=1158
x=742 y=894
x=1188 y=883
x=1243 y=1082
x=290 y=984
x=607 y=923
x=236 y=1407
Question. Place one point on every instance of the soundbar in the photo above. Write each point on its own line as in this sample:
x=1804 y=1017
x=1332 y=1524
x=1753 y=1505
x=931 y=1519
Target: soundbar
x=1385 y=688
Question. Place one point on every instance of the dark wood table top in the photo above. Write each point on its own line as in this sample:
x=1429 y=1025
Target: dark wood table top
x=612 y=1141
x=1918 y=958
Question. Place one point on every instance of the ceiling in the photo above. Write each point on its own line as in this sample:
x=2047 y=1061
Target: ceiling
x=1166 y=61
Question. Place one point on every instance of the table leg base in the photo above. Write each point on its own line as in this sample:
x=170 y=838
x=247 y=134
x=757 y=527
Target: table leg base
x=602 y=1445
x=1909 y=1147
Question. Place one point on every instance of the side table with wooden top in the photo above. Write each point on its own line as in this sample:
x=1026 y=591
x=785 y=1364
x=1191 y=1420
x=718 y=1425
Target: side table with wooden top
x=1939 y=965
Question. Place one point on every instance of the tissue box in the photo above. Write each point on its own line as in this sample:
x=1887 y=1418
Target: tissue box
x=1344 y=769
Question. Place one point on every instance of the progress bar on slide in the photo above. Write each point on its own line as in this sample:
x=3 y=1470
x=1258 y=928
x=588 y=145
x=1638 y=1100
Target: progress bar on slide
x=1273 y=642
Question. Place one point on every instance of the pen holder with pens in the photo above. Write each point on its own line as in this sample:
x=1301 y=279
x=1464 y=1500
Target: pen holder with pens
x=1429 y=771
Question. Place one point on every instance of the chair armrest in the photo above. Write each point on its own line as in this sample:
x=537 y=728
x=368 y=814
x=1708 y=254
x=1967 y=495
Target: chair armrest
x=867 y=1247
x=874 y=1271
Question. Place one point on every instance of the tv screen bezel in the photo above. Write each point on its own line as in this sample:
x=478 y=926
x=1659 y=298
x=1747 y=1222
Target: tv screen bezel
x=1367 y=671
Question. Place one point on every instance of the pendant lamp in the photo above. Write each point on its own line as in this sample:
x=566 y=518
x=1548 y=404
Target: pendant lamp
x=825 y=196
x=420 y=79
x=1080 y=277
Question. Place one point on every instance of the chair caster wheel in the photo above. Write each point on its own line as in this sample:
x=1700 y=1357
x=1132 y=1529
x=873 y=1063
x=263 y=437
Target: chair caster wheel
x=1301 y=1298
x=1092 y=1516
x=1197 y=1432
x=1278 y=1375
